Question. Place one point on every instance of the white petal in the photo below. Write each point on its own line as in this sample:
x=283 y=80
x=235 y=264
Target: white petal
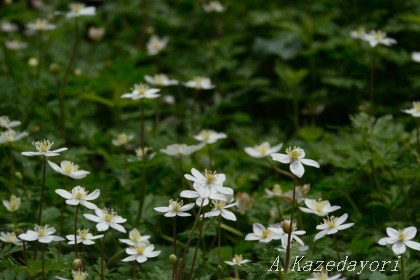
x=183 y=214
x=28 y=236
x=91 y=217
x=129 y=259
x=228 y=215
x=141 y=259
x=72 y=201
x=171 y=214
x=187 y=207
x=55 y=167
x=297 y=168
x=392 y=232
x=309 y=162
x=29 y=154
x=413 y=245
x=383 y=241
x=410 y=232
x=341 y=219
x=189 y=194
x=93 y=195
x=283 y=158
x=118 y=227
x=320 y=235
x=89 y=205
x=102 y=226
x=163 y=209
x=398 y=248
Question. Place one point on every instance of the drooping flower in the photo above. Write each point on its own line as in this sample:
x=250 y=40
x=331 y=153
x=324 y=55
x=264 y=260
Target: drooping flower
x=161 y=80
x=323 y=275
x=106 y=218
x=40 y=25
x=13 y=204
x=245 y=201
x=295 y=156
x=141 y=253
x=262 y=150
x=199 y=83
x=209 y=136
x=135 y=238
x=7 y=123
x=214 y=6
x=318 y=207
x=83 y=236
x=376 y=37
x=175 y=208
x=332 y=225
x=415 y=110
x=79 y=195
x=155 y=44
x=140 y=91
x=180 y=150
x=220 y=208
x=10 y=237
x=400 y=239
x=70 y=169
x=262 y=234
x=237 y=260
x=43 y=148
x=15 y=45
x=79 y=9
x=42 y=234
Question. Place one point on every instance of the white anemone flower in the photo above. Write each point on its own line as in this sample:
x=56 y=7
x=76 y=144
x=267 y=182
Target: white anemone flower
x=135 y=238
x=209 y=136
x=43 y=148
x=76 y=275
x=415 y=110
x=296 y=159
x=7 y=123
x=15 y=45
x=284 y=228
x=42 y=234
x=318 y=207
x=332 y=225
x=237 y=260
x=161 y=80
x=78 y=196
x=220 y=208
x=155 y=44
x=141 y=253
x=415 y=56
x=359 y=33
x=83 y=236
x=276 y=192
x=262 y=234
x=179 y=150
x=323 y=275
x=122 y=139
x=13 y=204
x=140 y=91
x=400 y=239
x=10 y=136
x=70 y=169
x=214 y=6
x=79 y=9
x=40 y=25
x=8 y=27
x=376 y=37
x=175 y=208
x=262 y=150
x=10 y=237
x=199 y=83
x=106 y=218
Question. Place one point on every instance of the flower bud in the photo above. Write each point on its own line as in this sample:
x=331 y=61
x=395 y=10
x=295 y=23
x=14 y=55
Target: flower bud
x=19 y=175
x=77 y=264
x=96 y=33
x=33 y=62
x=173 y=259
x=286 y=226
x=54 y=68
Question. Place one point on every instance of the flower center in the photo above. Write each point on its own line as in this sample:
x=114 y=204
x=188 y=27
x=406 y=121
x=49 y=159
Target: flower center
x=79 y=192
x=277 y=189
x=9 y=135
x=79 y=275
x=416 y=106
x=210 y=176
x=319 y=205
x=11 y=237
x=41 y=230
x=206 y=135
x=76 y=8
x=43 y=146
x=160 y=79
x=238 y=259
x=175 y=205
x=40 y=24
x=140 y=249
x=294 y=153
x=109 y=214
x=69 y=167
x=331 y=221
x=401 y=235
x=134 y=235
x=82 y=233
x=141 y=88
x=4 y=121
x=262 y=148
x=218 y=204
x=265 y=233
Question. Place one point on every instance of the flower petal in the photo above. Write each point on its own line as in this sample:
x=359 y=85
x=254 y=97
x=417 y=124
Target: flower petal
x=297 y=168
x=283 y=158
x=399 y=248
x=309 y=162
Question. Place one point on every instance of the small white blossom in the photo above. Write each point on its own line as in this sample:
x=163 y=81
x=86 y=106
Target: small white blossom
x=332 y=225
x=175 y=208
x=8 y=27
x=199 y=83
x=76 y=275
x=13 y=204
x=219 y=208
x=122 y=139
x=135 y=238
x=262 y=234
x=40 y=25
x=43 y=148
x=415 y=56
x=209 y=136
x=318 y=207
x=375 y=38
x=142 y=91
x=106 y=218
x=415 y=110
x=237 y=260
x=141 y=253
x=79 y=195
x=42 y=234
x=155 y=44
x=295 y=157
x=83 y=236
x=262 y=150
x=70 y=169
x=400 y=239
x=7 y=123
x=96 y=33
x=15 y=45
x=359 y=33
x=10 y=237
x=160 y=80
x=79 y=9
x=180 y=150
x=276 y=192
x=143 y=153
x=10 y=136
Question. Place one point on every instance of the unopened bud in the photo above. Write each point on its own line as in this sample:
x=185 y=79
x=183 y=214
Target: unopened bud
x=19 y=175
x=77 y=264
x=173 y=259
x=220 y=268
x=286 y=226
x=54 y=68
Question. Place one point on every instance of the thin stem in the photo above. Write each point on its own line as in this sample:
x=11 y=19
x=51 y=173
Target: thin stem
x=192 y=120
x=84 y=256
x=142 y=193
x=25 y=255
x=175 y=268
x=289 y=234
x=12 y=167
x=372 y=82
x=142 y=144
x=279 y=212
x=210 y=155
x=402 y=268
x=418 y=137
x=236 y=274
x=40 y=56
x=114 y=256
x=102 y=256
x=75 y=232
x=157 y=118
x=219 y=240
x=336 y=248
x=42 y=190
x=61 y=225
x=196 y=247
x=43 y=262
x=134 y=270
x=181 y=172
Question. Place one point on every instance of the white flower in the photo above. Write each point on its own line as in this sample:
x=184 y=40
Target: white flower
x=96 y=33
x=415 y=110
x=378 y=37
x=175 y=208
x=40 y=25
x=84 y=236
x=79 y=195
x=7 y=123
x=262 y=150
x=135 y=238
x=15 y=45
x=143 y=153
x=68 y=168
x=400 y=238
x=11 y=136
x=122 y=139
x=209 y=136
x=10 y=237
x=76 y=275
x=276 y=192
x=219 y=208
x=237 y=260
x=199 y=83
x=33 y=62
x=79 y=9
x=332 y=225
x=106 y=218
x=140 y=253
x=180 y=150
x=262 y=234
x=295 y=157
x=323 y=275
x=43 y=148
x=318 y=207
x=213 y=6
x=160 y=80
x=415 y=56
x=284 y=228
x=42 y=234
x=300 y=193
x=142 y=91
x=358 y=34
x=13 y=204
x=8 y=27
x=300 y=248
x=155 y=44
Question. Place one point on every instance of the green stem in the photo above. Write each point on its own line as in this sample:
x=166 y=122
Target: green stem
x=114 y=256
x=372 y=82
x=142 y=192
x=102 y=256
x=402 y=268
x=75 y=232
x=210 y=155
x=196 y=247
x=175 y=268
x=40 y=56
x=219 y=240
x=40 y=203
x=336 y=248
x=142 y=144
x=418 y=137
x=43 y=262
x=279 y=212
